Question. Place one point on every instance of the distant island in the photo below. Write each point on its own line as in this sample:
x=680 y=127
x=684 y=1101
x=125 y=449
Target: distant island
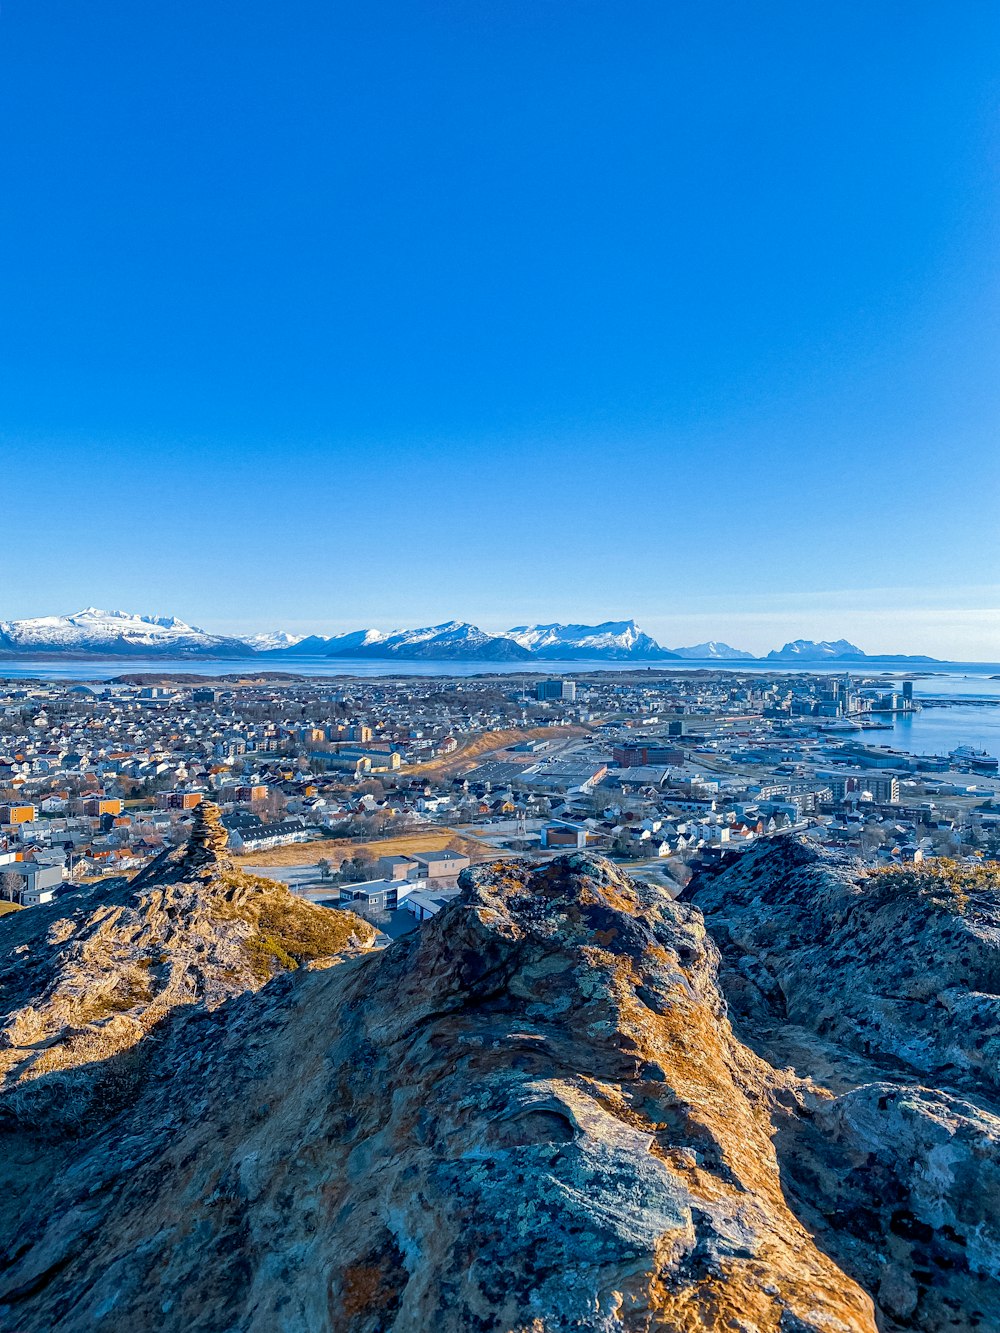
x=94 y=632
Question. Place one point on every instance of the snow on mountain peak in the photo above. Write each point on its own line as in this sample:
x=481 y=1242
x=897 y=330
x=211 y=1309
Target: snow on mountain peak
x=612 y=638
x=714 y=650
x=94 y=627
x=95 y=615
x=815 y=650
x=273 y=641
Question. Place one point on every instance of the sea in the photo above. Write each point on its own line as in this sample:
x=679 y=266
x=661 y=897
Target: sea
x=961 y=700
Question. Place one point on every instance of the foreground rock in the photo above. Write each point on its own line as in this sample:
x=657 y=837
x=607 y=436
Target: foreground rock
x=531 y=1115
x=901 y=967
x=884 y=988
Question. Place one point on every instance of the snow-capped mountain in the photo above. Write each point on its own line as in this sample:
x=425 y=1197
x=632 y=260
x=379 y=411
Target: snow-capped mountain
x=278 y=640
x=94 y=630
x=356 y=640
x=318 y=645
x=809 y=650
x=613 y=640
x=339 y=645
x=456 y=639
x=715 y=651
x=125 y=633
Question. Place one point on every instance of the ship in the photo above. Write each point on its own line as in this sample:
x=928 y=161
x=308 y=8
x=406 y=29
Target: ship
x=967 y=756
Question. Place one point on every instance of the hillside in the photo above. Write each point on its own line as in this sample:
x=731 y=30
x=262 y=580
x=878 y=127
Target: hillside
x=91 y=977
x=532 y=1114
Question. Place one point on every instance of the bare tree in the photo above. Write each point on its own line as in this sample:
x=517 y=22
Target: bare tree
x=11 y=885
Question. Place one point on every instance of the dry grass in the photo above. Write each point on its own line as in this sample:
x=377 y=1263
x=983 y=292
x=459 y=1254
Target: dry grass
x=945 y=882
x=288 y=931
x=336 y=849
x=6 y=907
x=131 y=988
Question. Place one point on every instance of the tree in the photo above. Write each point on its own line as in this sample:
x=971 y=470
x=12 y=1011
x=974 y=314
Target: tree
x=323 y=866
x=11 y=885
x=621 y=846
x=359 y=869
x=270 y=808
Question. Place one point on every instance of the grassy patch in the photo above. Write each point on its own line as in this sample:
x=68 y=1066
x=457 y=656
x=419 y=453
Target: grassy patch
x=287 y=931
x=132 y=988
x=946 y=883
x=268 y=955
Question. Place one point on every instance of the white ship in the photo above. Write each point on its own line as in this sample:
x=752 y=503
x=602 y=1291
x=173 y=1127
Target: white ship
x=969 y=757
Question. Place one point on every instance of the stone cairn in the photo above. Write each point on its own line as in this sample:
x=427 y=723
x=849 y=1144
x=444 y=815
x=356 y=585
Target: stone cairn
x=206 y=849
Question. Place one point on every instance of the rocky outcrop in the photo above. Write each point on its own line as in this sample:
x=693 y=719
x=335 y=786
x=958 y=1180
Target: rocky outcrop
x=901 y=968
x=533 y=1114
x=901 y=1184
x=883 y=988
x=89 y=977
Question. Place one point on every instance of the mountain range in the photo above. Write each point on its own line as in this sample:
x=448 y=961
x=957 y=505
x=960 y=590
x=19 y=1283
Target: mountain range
x=456 y=640
x=714 y=651
x=123 y=633
x=809 y=648
x=93 y=630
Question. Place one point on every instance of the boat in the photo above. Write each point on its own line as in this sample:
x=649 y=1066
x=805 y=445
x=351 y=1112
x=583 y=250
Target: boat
x=967 y=756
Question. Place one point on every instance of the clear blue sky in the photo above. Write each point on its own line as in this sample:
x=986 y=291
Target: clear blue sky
x=322 y=314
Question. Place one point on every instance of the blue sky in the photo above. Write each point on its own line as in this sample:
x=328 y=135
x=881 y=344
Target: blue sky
x=323 y=314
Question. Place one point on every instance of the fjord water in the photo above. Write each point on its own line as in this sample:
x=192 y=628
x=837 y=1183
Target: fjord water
x=937 y=679
x=939 y=730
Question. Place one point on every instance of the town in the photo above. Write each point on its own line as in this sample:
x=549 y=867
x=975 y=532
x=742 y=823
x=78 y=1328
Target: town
x=376 y=793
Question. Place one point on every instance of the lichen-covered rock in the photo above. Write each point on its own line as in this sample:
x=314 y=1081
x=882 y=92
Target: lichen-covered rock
x=885 y=989
x=904 y=1184
x=896 y=968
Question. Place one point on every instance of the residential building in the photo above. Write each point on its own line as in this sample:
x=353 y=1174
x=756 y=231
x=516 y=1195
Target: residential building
x=565 y=690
